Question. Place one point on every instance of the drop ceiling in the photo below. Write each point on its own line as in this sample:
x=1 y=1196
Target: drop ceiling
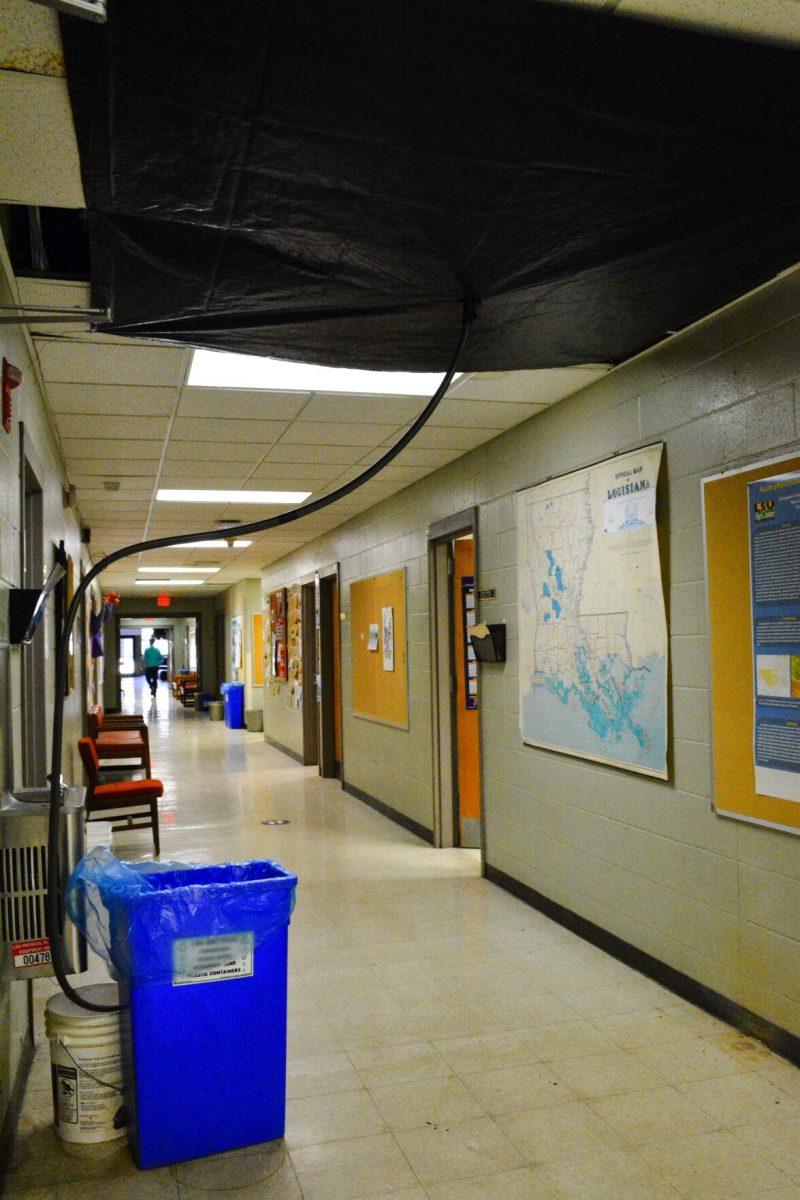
x=129 y=424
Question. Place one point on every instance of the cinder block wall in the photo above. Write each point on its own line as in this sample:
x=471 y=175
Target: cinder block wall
x=646 y=860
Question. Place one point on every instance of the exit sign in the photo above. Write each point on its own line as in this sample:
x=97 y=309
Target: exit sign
x=163 y=601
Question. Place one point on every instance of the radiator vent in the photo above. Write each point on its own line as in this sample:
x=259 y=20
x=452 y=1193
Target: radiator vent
x=23 y=886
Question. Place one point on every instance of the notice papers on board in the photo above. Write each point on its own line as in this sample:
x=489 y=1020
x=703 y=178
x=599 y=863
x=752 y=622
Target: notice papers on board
x=774 y=508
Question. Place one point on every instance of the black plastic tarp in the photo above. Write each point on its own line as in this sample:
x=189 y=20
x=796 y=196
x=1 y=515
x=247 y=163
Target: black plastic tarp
x=327 y=180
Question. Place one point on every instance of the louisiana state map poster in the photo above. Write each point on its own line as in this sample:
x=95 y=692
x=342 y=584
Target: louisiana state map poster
x=592 y=622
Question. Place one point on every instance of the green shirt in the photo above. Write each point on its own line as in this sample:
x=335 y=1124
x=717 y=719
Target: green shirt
x=152 y=657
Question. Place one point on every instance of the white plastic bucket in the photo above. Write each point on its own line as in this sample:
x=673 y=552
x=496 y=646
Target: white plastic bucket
x=86 y=1066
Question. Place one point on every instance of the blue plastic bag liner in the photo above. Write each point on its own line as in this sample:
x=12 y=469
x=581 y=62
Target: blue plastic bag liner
x=178 y=923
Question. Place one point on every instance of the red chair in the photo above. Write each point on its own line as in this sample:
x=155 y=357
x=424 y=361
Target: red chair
x=122 y=741
x=134 y=801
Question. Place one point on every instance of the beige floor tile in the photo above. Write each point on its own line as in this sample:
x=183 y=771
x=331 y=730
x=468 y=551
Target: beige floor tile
x=483 y=1053
x=569 y=1129
x=710 y=1166
x=444 y=1020
x=37 y=1193
x=236 y=1169
x=143 y=1185
x=604 y=1074
x=320 y=1075
x=386 y=1065
x=661 y=1113
x=611 y=998
x=643 y=1028
x=605 y=1175
x=523 y=1184
x=745 y=1050
x=571 y=1039
x=686 y=1059
x=780 y=1072
x=511 y=1089
x=522 y=1011
x=456 y=1151
x=328 y=1118
x=428 y=1102
x=741 y=1099
x=280 y=1185
x=353 y=1168
x=414 y=1193
x=777 y=1141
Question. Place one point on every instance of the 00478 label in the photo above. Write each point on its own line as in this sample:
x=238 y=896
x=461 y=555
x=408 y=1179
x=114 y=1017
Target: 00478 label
x=211 y=959
x=31 y=954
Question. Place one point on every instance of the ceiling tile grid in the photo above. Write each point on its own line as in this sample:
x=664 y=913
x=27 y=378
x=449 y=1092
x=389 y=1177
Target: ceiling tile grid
x=129 y=424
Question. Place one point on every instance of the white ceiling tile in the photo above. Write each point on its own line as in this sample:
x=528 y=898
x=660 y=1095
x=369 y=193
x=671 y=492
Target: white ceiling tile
x=71 y=425
x=314 y=433
x=417 y=456
x=483 y=414
x=362 y=409
x=97 y=494
x=776 y=20
x=214 y=452
x=243 y=405
x=526 y=387
x=80 y=465
x=286 y=452
x=29 y=39
x=39 y=163
x=86 y=449
x=91 y=361
x=451 y=438
x=232 y=474
x=103 y=399
x=198 y=429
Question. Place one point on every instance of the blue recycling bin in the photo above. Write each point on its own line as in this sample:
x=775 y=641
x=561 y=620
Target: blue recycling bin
x=204 y=950
x=233 y=699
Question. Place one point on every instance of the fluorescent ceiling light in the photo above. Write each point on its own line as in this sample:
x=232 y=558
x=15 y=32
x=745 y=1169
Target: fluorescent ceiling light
x=214 y=368
x=167 y=582
x=215 y=544
x=178 y=570
x=229 y=496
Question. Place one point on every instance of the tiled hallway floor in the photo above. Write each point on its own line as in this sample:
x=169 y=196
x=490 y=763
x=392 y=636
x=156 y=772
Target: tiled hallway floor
x=446 y=1042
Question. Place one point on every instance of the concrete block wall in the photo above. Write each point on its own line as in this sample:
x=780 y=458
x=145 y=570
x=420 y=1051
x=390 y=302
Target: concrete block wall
x=59 y=523
x=649 y=861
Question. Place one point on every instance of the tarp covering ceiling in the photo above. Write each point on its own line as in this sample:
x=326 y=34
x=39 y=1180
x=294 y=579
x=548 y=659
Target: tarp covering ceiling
x=326 y=180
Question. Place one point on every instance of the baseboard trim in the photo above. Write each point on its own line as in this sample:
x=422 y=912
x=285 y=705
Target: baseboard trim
x=750 y=1023
x=393 y=814
x=9 y=1130
x=285 y=750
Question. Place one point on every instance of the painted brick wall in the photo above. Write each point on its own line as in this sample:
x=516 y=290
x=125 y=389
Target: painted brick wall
x=647 y=860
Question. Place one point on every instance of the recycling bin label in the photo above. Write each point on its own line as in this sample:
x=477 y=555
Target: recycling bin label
x=212 y=959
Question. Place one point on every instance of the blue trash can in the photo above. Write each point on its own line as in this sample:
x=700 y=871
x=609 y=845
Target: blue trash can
x=233 y=698
x=202 y=951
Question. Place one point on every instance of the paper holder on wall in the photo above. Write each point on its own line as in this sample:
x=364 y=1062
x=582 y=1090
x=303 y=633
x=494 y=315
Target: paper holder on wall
x=488 y=642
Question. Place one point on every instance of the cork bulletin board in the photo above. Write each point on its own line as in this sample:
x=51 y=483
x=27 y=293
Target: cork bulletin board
x=379 y=694
x=727 y=546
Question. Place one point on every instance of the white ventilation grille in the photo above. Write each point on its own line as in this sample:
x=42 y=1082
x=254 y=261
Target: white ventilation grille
x=23 y=886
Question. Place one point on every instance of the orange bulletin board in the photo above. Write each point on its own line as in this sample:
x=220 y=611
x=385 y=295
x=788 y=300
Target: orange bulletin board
x=727 y=541
x=378 y=694
x=258 y=649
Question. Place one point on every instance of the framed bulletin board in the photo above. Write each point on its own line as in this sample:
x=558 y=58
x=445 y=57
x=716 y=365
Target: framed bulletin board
x=379 y=693
x=730 y=519
x=277 y=630
x=258 y=649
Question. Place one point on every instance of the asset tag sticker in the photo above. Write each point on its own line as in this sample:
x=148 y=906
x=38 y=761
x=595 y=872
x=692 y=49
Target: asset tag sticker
x=210 y=959
x=31 y=954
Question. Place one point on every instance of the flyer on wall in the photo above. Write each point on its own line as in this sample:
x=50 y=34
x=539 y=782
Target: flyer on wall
x=774 y=508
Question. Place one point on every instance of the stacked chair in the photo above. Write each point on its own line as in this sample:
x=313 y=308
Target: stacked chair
x=120 y=743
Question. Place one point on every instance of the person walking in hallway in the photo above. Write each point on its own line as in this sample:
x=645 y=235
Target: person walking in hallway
x=152 y=659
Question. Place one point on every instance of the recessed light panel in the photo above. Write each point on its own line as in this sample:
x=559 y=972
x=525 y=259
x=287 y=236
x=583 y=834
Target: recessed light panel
x=178 y=570
x=168 y=582
x=216 y=544
x=225 y=496
x=214 y=368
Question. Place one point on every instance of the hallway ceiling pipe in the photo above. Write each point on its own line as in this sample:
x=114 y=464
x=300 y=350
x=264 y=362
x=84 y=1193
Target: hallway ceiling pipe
x=326 y=182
